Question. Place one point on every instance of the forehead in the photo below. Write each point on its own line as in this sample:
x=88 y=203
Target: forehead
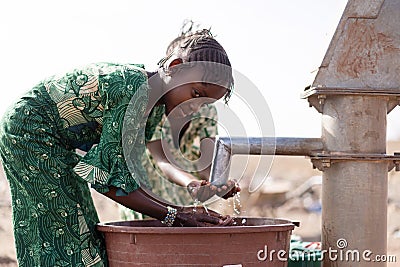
x=203 y=72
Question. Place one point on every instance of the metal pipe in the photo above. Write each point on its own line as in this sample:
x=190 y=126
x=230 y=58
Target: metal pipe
x=290 y=146
x=354 y=193
x=221 y=163
x=225 y=147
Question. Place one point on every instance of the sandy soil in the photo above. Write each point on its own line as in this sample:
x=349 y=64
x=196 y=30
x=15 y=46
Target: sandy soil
x=287 y=174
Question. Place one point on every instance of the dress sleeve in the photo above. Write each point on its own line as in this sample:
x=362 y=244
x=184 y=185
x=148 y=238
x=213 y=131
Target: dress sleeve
x=115 y=161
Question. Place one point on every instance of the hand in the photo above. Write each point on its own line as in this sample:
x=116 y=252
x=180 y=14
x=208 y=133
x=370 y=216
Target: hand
x=201 y=217
x=204 y=190
x=228 y=190
x=201 y=190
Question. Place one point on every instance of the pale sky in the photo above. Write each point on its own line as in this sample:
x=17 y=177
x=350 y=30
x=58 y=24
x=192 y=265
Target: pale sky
x=276 y=44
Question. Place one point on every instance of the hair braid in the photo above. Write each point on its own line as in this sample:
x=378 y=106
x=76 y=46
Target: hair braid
x=201 y=46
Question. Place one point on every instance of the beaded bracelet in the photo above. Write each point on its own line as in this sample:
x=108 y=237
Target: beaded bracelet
x=170 y=217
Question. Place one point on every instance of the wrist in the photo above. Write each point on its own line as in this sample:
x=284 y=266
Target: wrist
x=170 y=216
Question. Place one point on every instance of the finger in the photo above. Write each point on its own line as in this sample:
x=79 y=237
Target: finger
x=227 y=221
x=204 y=182
x=231 y=182
x=209 y=219
x=229 y=194
x=215 y=214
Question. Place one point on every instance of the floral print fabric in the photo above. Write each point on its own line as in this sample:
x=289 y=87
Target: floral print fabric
x=53 y=214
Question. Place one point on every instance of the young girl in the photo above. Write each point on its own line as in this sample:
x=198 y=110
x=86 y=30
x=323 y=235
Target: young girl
x=53 y=213
x=172 y=181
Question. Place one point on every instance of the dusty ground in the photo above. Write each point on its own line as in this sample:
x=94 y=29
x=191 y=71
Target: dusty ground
x=287 y=174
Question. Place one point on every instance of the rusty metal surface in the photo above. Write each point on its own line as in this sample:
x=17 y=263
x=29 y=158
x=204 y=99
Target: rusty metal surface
x=365 y=50
x=324 y=161
x=357 y=84
x=316 y=96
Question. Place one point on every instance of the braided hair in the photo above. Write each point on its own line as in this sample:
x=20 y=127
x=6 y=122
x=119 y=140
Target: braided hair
x=200 y=46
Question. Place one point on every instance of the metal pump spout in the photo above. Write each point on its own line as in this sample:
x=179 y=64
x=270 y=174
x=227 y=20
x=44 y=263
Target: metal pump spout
x=226 y=147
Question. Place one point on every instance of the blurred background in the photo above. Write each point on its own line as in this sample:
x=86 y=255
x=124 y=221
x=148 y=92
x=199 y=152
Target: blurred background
x=278 y=45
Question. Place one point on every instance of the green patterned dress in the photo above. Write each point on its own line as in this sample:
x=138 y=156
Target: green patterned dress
x=53 y=214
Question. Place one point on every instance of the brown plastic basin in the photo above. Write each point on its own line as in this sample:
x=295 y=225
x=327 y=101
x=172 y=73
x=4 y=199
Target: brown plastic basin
x=150 y=243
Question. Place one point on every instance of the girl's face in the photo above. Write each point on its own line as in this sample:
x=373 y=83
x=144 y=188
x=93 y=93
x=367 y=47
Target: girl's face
x=186 y=98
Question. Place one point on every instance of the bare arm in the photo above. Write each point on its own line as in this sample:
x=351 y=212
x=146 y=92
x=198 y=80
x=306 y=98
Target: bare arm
x=140 y=201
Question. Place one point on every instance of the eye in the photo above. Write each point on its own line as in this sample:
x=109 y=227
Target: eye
x=195 y=93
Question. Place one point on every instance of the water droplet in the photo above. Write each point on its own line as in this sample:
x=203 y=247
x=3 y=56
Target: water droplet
x=196 y=203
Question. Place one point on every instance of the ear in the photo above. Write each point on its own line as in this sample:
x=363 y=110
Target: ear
x=175 y=62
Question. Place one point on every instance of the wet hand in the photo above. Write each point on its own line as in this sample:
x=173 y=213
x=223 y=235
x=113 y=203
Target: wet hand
x=228 y=190
x=204 y=190
x=201 y=190
x=201 y=217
